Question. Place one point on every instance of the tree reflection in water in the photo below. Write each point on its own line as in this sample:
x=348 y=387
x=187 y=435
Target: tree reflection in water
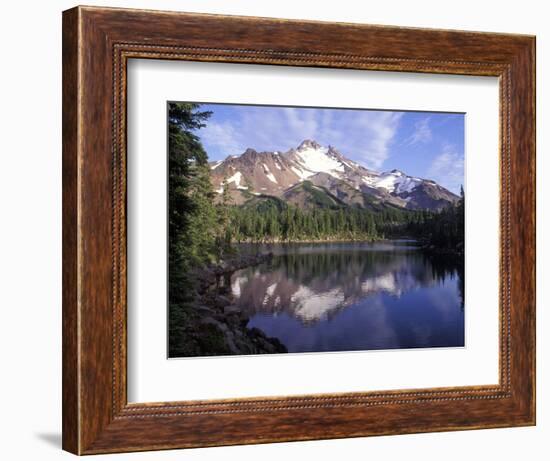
x=354 y=296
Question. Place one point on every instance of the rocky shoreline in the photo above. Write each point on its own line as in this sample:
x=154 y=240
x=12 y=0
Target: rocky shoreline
x=213 y=324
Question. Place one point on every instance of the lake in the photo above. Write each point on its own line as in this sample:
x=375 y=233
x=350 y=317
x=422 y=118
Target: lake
x=320 y=297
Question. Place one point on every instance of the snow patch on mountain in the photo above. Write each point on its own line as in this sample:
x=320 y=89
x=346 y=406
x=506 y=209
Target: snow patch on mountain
x=317 y=160
x=271 y=177
x=369 y=180
x=301 y=173
x=397 y=182
x=236 y=178
x=269 y=174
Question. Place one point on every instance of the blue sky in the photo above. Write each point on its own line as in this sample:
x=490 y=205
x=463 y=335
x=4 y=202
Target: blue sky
x=425 y=144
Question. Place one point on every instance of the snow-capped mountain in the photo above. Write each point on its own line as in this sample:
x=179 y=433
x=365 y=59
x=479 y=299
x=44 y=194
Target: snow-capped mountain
x=312 y=169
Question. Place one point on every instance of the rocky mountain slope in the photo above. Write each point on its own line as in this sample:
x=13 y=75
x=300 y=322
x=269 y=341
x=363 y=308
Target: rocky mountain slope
x=312 y=175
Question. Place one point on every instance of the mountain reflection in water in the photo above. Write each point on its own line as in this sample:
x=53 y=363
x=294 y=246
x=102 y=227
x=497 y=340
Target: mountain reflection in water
x=353 y=296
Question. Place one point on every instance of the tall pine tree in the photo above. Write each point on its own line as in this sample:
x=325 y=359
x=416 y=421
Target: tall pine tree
x=189 y=194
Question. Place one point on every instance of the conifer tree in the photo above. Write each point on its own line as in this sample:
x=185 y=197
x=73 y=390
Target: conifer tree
x=189 y=190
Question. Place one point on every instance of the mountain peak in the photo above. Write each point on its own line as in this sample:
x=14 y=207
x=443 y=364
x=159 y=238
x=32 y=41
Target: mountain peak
x=309 y=144
x=249 y=155
x=266 y=173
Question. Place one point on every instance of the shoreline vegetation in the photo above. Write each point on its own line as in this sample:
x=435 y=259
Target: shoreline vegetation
x=203 y=230
x=211 y=324
x=309 y=240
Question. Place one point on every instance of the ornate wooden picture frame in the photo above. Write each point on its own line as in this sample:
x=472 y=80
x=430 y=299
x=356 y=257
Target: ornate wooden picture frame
x=97 y=44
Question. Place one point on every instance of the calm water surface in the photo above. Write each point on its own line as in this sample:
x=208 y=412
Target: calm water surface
x=353 y=296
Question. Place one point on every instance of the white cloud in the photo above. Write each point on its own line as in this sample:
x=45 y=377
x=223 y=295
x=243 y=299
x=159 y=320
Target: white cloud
x=375 y=133
x=302 y=123
x=422 y=132
x=448 y=168
x=364 y=136
x=222 y=136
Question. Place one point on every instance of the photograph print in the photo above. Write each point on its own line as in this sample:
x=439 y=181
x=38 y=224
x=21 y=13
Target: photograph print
x=313 y=230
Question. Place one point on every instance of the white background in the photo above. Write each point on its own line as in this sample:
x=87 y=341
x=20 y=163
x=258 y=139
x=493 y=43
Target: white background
x=153 y=378
x=30 y=230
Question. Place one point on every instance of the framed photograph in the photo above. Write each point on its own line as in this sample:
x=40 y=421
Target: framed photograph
x=281 y=230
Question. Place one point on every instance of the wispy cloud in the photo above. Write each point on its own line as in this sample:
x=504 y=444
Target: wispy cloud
x=377 y=131
x=221 y=135
x=422 y=132
x=364 y=136
x=447 y=168
x=302 y=122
